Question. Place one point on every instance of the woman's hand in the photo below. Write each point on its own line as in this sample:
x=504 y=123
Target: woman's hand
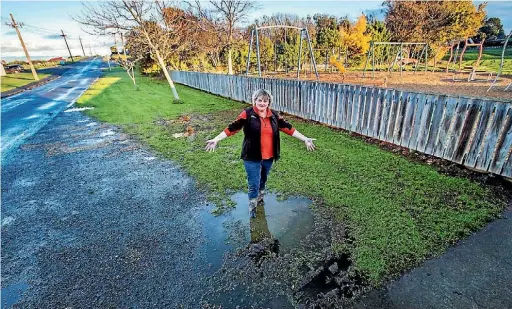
x=309 y=143
x=211 y=145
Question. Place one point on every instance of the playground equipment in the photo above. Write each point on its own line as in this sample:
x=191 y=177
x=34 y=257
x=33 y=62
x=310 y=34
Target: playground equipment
x=391 y=54
x=471 y=70
x=303 y=33
x=501 y=64
x=452 y=45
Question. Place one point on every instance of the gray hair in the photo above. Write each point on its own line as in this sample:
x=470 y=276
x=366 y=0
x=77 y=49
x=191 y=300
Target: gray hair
x=262 y=93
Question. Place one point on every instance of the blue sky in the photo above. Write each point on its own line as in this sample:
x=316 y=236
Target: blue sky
x=53 y=16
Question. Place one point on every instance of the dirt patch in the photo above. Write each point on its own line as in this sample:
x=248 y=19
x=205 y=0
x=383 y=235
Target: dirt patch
x=189 y=125
x=431 y=82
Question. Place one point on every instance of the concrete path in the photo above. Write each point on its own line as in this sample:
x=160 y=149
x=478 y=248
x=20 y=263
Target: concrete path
x=474 y=274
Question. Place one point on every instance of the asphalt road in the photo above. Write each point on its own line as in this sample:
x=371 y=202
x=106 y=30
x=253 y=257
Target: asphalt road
x=26 y=113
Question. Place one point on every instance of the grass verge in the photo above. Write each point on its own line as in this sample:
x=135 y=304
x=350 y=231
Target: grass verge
x=398 y=212
x=11 y=81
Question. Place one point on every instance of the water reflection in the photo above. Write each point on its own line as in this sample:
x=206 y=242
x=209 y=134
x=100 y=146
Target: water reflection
x=258 y=226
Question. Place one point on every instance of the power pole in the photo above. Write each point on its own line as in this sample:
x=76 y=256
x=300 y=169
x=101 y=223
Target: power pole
x=124 y=48
x=82 y=45
x=15 y=26
x=64 y=36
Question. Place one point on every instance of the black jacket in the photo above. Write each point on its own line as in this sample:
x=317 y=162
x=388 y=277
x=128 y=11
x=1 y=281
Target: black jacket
x=251 y=148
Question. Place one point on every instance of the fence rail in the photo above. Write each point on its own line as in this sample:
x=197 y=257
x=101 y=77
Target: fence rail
x=474 y=132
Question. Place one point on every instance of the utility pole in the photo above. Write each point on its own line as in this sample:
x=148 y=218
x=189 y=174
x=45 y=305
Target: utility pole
x=79 y=38
x=15 y=26
x=115 y=42
x=124 y=48
x=64 y=36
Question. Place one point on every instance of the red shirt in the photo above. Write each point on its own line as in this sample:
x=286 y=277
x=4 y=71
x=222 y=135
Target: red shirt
x=266 y=137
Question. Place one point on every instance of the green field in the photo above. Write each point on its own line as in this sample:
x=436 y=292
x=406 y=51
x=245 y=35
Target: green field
x=397 y=212
x=489 y=62
x=11 y=81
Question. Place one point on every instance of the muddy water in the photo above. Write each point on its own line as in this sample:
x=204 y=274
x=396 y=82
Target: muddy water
x=239 y=246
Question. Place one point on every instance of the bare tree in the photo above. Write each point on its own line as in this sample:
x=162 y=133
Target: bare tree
x=222 y=18
x=147 y=19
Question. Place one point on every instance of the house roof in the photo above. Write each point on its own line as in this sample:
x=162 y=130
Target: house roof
x=57 y=59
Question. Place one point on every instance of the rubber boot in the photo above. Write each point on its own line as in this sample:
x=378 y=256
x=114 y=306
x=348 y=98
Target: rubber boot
x=253 y=202
x=260 y=197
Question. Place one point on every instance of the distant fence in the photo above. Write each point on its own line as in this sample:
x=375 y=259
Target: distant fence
x=473 y=132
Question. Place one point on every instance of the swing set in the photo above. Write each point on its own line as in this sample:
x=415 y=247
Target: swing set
x=390 y=55
x=303 y=33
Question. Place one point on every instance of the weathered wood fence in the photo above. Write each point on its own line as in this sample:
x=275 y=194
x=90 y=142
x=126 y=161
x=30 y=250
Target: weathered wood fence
x=473 y=132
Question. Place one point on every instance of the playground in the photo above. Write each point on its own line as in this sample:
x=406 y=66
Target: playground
x=461 y=67
x=436 y=82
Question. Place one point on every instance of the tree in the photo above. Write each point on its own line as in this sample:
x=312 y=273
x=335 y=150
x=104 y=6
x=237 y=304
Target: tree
x=492 y=29
x=146 y=21
x=379 y=33
x=327 y=35
x=221 y=19
x=434 y=22
x=355 y=39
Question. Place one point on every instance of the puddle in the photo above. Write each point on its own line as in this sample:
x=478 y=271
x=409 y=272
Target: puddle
x=238 y=242
x=12 y=294
x=281 y=259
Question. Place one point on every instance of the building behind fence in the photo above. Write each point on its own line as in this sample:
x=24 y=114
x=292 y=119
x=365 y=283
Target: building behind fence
x=474 y=132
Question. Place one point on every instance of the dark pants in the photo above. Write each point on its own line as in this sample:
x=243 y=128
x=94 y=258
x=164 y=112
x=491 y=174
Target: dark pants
x=257 y=173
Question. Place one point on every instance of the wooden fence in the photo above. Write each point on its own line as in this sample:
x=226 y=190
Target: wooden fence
x=474 y=132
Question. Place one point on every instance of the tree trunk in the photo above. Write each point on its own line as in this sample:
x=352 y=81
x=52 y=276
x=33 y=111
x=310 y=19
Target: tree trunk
x=166 y=73
x=230 y=61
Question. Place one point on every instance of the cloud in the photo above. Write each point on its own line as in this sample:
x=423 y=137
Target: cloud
x=53 y=37
x=9 y=33
x=10 y=49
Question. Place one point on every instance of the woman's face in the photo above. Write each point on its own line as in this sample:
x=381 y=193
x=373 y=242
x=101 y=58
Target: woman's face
x=262 y=103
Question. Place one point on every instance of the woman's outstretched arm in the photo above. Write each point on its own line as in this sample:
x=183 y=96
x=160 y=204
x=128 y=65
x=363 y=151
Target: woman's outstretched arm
x=231 y=129
x=287 y=128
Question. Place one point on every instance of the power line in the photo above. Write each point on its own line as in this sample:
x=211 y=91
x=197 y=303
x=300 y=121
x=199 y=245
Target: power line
x=40 y=29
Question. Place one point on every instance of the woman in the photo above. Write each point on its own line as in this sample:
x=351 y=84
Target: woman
x=261 y=146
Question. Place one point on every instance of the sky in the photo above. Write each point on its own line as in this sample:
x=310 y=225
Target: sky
x=44 y=21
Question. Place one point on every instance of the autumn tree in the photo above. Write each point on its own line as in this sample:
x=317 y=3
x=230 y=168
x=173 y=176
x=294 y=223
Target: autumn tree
x=221 y=18
x=434 y=22
x=147 y=21
x=355 y=39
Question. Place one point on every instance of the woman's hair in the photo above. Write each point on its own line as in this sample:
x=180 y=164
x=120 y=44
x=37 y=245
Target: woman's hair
x=262 y=93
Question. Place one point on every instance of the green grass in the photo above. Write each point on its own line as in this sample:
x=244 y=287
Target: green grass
x=398 y=212
x=489 y=62
x=11 y=81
